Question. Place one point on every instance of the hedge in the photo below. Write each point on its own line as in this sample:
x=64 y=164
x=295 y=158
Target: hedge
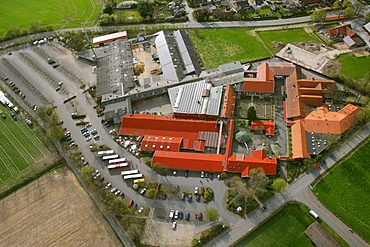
x=69 y=99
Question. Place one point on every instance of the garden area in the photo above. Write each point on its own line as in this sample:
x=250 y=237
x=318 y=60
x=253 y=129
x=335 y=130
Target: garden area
x=285 y=228
x=220 y=46
x=341 y=189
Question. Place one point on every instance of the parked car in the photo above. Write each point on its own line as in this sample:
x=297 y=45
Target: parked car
x=130 y=203
x=206 y=175
x=200 y=215
x=219 y=176
x=176 y=216
x=202 y=174
x=113 y=190
x=97 y=175
x=174 y=225
x=197 y=197
x=86 y=134
x=187 y=216
x=172 y=212
x=196 y=190
x=263 y=209
x=190 y=198
x=96 y=136
x=140 y=210
x=202 y=190
x=186 y=174
x=117 y=192
x=164 y=196
x=88 y=125
x=108 y=185
x=96 y=172
x=211 y=176
x=181 y=215
x=183 y=196
x=93 y=132
x=88 y=138
x=142 y=192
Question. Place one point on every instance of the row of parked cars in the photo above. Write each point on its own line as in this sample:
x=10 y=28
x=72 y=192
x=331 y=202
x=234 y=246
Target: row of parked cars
x=96 y=175
x=89 y=134
x=178 y=215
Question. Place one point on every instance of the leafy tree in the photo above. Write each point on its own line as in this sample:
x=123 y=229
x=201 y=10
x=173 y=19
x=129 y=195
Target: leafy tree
x=223 y=175
x=86 y=172
x=208 y=194
x=251 y=113
x=349 y=12
x=318 y=15
x=279 y=185
x=345 y=3
x=212 y=214
x=106 y=19
x=146 y=9
x=108 y=9
x=150 y=193
x=258 y=181
x=367 y=17
x=55 y=133
x=336 y=5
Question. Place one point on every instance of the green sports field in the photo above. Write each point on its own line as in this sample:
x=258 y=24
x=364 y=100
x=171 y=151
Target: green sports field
x=23 y=14
x=346 y=191
x=20 y=147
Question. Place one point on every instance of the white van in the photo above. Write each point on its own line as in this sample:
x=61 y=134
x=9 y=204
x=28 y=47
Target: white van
x=314 y=214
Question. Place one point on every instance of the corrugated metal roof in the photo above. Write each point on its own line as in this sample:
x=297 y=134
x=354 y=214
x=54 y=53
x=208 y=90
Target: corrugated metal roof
x=189 y=98
x=349 y=41
x=367 y=27
x=110 y=37
x=184 y=53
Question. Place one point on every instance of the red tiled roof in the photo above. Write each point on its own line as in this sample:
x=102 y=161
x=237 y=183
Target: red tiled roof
x=229 y=102
x=188 y=161
x=264 y=83
x=268 y=127
x=259 y=154
x=143 y=124
x=153 y=143
x=239 y=164
x=299 y=143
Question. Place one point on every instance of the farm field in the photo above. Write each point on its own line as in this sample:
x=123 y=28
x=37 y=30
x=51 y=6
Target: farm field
x=53 y=211
x=285 y=228
x=22 y=152
x=220 y=46
x=344 y=191
x=286 y=36
x=23 y=15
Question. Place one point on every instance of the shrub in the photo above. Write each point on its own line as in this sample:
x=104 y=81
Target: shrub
x=79 y=116
x=223 y=175
x=208 y=194
x=208 y=235
x=150 y=193
x=69 y=99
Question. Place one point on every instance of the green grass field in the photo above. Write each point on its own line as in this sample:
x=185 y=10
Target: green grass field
x=354 y=67
x=286 y=228
x=20 y=147
x=286 y=36
x=220 y=46
x=345 y=191
x=22 y=14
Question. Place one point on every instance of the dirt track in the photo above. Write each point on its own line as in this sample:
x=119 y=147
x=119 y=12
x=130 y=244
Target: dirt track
x=53 y=211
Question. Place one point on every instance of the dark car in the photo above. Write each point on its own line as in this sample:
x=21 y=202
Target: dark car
x=181 y=215
x=187 y=216
x=186 y=174
x=263 y=209
x=211 y=176
x=197 y=197
x=190 y=198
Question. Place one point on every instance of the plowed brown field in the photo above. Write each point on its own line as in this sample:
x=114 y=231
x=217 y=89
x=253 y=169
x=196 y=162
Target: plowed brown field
x=53 y=211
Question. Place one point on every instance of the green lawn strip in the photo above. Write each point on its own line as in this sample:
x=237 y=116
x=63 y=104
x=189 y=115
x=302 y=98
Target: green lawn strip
x=220 y=46
x=20 y=142
x=355 y=67
x=6 y=170
x=345 y=191
x=286 y=36
x=285 y=228
x=14 y=154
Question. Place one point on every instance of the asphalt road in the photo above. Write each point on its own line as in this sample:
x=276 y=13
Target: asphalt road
x=298 y=191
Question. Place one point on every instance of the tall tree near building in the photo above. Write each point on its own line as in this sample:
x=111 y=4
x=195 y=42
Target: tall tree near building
x=251 y=113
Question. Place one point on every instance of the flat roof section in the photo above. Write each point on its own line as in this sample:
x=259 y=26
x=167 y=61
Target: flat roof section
x=199 y=98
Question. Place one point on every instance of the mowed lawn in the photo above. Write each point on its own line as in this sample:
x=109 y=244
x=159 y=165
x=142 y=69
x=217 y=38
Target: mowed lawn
x=286 y=36
x=346 y=191
x=354 y=67
x=221 y=45
x=23 y=14
x=286 y=228
x=19 y=146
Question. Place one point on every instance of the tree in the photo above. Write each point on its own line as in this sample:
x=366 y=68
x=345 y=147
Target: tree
x=108 y=9
x=146 y=9
x=223 y=175
x=86 y=172
x=150 y=193
x=279 y=185
x=367 y=17
x=106 y=19
x=336 y=5
x=318 y=15
x=349 y=12
x=251 y=113
x=258 y=181
x=208 y=194
x=212 y=214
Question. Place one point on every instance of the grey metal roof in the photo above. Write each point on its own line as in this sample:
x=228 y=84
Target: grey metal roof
x=190 y=98
x=349 y=41
x=230 y=68
x=115 y=72
x=367 y=27
x=184 y=53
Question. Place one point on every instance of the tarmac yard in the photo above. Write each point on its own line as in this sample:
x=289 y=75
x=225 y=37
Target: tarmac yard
x=53 y=211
